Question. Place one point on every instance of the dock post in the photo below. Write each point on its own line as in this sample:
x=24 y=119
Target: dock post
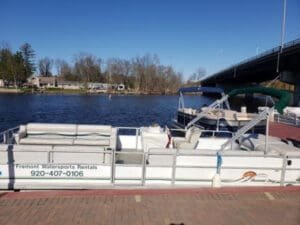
x=283 y=169
x=296 y=100
x=267 y=133
x=113 y=167
x=5 y=138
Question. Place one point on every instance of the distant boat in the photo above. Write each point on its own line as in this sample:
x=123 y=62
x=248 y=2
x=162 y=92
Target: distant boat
x=219 y=116
x=109 y=97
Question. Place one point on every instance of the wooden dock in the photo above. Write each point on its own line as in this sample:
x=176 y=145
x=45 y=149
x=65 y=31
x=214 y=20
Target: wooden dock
x=284 y=131
x=257 y=206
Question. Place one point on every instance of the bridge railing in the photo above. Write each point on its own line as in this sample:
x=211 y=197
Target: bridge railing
x=273 y=50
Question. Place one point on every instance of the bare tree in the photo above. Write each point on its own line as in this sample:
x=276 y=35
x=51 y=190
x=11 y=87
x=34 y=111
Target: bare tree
x=45 y=66
x=66 y=71
x=143 y=73
x=197 y=75
x=58 y=64
x=87 y=67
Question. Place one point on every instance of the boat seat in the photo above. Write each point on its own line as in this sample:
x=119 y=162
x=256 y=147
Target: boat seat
x=80 y=141
x=215 y=143
x=66 y=134
x=46 y=141
x=256 y=142
x=190 y=140
x=153 y=137
x=32 y=148
x=79 y=154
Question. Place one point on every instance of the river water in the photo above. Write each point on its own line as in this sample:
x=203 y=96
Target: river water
x=16 y=109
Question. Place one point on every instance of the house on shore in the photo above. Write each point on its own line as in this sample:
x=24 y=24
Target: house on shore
x=71 y=85
x=98 y=87
x=54 y=82
x=43 y=82
x=58 y=82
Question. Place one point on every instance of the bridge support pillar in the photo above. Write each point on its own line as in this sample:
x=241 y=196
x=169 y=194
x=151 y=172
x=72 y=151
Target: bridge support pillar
x=297 y=92
x=292 y=78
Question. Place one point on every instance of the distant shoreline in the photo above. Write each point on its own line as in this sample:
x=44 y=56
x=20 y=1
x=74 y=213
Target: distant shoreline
x=76 y=92
x=10 y=91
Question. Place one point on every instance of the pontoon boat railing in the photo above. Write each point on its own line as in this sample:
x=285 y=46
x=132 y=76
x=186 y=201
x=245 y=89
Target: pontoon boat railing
x=290 y=119
x=6 y=137
x=203 y=131
x=144 y=165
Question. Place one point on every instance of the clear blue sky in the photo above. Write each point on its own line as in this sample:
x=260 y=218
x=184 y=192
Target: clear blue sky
x=186 y=34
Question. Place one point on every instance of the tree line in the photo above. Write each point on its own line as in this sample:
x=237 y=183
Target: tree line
x=17 y=67
x=143 y=74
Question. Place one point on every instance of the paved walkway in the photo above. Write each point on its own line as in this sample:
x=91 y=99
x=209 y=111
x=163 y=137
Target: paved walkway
x=142 y=207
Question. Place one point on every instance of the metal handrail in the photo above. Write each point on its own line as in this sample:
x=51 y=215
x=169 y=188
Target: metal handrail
x=10 y=129
x=287 y=119
x=264 y=115
x=174 y=164
x=7 y=135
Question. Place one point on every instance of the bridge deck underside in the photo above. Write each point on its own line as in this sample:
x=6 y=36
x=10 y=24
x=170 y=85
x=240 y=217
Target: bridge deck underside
x=259 y=69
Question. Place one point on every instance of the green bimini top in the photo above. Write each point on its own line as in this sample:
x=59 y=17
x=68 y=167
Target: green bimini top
x=283 y=96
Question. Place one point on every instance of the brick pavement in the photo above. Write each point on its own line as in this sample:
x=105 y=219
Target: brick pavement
x=249 y=206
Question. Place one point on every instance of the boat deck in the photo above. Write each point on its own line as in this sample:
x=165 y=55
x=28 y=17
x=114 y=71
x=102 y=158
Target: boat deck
x=267 y=205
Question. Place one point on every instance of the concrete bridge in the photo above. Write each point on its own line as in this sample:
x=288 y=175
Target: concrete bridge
x=261 y=68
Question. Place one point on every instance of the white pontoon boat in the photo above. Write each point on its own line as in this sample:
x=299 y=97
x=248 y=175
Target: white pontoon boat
x=71 y=156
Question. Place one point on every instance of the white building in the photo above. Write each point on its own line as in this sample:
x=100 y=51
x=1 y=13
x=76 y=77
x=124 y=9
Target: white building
x=72 y=85
x=98 y=86
x=121 y=87
x=1 y=83
x=58 y=82
x=43 y=82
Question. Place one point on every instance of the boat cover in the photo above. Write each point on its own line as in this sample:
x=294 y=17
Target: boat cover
x=283 y=96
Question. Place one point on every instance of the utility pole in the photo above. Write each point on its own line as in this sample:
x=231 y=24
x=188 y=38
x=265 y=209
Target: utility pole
x=282 y=35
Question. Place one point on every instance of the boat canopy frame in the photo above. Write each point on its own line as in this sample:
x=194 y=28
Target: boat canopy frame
x=200 y=89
